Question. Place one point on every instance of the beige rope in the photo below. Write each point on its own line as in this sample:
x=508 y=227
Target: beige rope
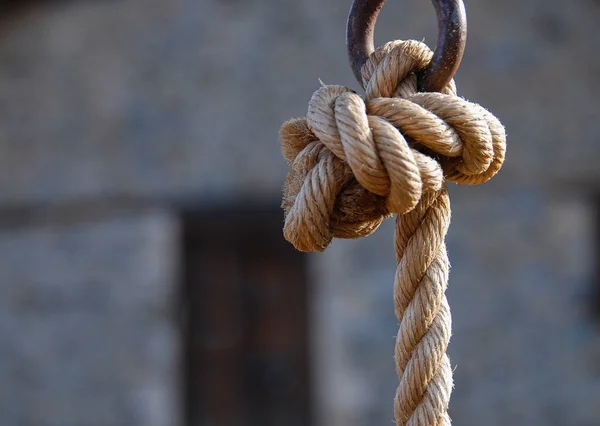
x=354 y=162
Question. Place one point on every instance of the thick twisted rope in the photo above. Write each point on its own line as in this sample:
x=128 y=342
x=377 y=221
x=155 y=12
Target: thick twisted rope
x=354 y=162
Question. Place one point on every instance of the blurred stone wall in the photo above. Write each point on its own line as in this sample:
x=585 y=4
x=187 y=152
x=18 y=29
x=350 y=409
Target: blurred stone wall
x=86 y=329
x=176 y=103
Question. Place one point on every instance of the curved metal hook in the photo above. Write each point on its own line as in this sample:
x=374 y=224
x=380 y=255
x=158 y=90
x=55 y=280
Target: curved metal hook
x=452 y=37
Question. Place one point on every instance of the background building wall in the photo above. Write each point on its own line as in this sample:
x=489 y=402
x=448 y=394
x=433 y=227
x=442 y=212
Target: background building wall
x=86 y=312
x=178 y=103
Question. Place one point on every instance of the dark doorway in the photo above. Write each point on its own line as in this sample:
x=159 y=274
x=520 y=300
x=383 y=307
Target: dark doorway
x=245 y=304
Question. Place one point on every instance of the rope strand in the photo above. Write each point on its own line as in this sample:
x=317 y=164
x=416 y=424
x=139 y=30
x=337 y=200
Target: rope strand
x=423 y=313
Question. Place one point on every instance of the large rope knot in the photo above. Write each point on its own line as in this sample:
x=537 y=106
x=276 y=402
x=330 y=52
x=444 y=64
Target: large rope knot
x=354 y=161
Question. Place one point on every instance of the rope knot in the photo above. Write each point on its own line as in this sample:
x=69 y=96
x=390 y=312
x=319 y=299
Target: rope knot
x=354 y=161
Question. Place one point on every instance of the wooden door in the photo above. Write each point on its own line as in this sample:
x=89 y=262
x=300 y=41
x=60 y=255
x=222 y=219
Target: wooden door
x=245 y=303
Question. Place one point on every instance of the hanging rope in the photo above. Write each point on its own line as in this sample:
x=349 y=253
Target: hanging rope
x=354 y=162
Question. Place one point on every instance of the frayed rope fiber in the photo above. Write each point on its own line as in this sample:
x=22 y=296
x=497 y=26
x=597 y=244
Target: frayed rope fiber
x=356 y=161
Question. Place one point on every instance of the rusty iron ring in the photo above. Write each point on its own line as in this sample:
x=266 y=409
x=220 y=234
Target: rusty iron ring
x=452 y=37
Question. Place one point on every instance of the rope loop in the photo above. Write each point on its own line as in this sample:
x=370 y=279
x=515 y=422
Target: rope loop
x=355 y=161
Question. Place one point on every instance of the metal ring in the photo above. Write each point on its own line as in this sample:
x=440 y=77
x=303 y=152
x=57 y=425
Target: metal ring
x=452 y=37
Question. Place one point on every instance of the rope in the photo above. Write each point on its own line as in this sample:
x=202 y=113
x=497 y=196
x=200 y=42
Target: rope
x=355 y=162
